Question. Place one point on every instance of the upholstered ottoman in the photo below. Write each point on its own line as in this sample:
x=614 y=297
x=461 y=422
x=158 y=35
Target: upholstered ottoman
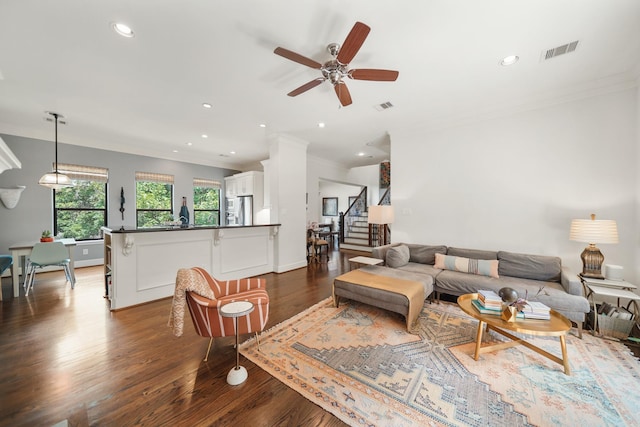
x=384 y=288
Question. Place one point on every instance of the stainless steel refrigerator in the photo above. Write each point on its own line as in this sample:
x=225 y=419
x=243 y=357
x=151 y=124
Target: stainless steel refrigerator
x=239 y=210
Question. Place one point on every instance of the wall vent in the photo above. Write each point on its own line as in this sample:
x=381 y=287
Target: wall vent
x=560 y=50
x=384 y=106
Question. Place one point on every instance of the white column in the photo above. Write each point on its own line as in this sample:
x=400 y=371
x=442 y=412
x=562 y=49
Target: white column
x=288 y=183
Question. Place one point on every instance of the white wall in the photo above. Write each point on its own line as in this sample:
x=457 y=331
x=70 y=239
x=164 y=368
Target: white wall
x=515 y=182
x=368 y=176
x=318 y=169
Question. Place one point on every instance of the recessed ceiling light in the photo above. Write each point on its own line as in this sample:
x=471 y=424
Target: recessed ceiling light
x=320 y=125
x=206 y=105
x=509 y=60
x=361 y=154
x=204 y=135
x=122 y=29
x=175 y=151
x=262 y=125
x=189 y=144
x=232 y=152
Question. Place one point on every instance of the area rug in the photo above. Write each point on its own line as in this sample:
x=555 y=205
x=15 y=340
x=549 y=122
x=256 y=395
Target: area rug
x=360 y=363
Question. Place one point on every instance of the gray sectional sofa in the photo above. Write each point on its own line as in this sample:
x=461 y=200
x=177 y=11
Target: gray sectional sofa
x=527 y=274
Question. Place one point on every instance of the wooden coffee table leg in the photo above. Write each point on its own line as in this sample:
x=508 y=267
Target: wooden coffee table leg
x=565 y=358
x=478 y=339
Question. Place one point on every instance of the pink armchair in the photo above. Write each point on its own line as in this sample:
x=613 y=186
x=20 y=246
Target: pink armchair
x=205 y=295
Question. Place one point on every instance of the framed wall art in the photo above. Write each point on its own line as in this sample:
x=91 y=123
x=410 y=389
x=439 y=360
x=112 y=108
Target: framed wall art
x=329 y=206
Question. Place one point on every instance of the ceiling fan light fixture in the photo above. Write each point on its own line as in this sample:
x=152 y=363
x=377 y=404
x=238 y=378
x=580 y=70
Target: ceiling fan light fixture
x=122 y=29
x=54 y=179
x=509 y=60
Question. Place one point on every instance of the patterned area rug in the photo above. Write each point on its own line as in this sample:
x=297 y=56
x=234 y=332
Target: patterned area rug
x=359 y=363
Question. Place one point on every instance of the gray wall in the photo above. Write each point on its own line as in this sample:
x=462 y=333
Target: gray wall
x=34 y=211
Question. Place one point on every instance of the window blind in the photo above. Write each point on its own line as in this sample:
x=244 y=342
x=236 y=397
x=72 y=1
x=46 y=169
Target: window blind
x=208 y=183
x=154 y=177
x=88 y=173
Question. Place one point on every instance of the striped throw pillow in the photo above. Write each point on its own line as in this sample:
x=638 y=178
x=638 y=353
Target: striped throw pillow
x=481 y=267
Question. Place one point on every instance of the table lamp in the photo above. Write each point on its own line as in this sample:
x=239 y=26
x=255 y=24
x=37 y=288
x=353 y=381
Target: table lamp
x=593 y=231
x=381 y=215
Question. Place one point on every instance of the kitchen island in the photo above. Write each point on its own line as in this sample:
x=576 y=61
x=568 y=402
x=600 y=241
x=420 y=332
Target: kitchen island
x=141 y=263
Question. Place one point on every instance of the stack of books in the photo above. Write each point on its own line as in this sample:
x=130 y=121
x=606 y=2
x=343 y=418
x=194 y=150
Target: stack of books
x=489 y=302
x=536 y=310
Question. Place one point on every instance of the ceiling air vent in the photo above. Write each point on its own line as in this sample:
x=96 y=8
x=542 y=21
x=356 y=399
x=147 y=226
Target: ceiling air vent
x=384 y=106
x=560 y=50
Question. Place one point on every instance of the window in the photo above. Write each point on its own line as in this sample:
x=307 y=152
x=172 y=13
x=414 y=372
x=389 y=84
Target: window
x=206 y=202
x=154 y=199
x=80 y=211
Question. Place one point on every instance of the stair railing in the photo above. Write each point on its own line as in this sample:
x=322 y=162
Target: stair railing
x=352 y=213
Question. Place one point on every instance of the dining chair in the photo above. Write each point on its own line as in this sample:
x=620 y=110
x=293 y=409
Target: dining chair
x=6 y=261
x=45 y=255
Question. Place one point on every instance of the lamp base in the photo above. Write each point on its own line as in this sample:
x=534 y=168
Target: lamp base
x=237 y=375
x=592 y=260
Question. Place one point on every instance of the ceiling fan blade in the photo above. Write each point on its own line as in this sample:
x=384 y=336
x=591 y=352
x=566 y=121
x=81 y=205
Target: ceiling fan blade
x=305 y=87
x=353 y=42
x=296 y=57
x=343 y=93
x=373 y=74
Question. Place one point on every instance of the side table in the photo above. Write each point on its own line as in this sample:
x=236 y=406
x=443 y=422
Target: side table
x=610 y=288
x=363 y=260
x=238 y=374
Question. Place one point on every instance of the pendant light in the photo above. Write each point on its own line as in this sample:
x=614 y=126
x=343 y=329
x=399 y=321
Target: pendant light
x=55 y=180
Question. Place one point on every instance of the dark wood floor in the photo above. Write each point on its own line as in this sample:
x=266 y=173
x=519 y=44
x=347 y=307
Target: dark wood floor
x=65 y=356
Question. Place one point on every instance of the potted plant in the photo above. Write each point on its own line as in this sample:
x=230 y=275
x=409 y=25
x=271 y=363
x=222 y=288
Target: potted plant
x=46 y=236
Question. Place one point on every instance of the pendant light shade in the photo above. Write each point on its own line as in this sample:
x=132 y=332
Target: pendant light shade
x=55 y=180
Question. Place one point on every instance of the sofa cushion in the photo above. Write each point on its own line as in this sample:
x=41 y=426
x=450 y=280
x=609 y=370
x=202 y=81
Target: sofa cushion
x=472 y=253
x=535 y=267
x=425 y=254
x=481 y=267
x=397 y=256
x=416 y=267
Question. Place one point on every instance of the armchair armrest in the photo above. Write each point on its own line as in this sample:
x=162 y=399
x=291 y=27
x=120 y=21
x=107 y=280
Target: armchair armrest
x=570 y=282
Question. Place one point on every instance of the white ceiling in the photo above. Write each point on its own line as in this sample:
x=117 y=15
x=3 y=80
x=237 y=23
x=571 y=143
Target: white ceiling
x=144 y=95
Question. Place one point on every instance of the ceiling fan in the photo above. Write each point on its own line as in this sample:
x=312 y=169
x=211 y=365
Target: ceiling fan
x=337 y=68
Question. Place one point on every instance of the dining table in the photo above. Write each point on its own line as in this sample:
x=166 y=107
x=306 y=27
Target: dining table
x=20 y=251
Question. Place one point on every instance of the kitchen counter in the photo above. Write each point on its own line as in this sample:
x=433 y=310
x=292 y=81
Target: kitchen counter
x=141 y=263
x=180 y=228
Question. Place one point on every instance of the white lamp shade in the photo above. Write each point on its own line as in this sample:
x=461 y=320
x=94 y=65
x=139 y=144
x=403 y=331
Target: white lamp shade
x=381 y=214
x=594 y=231
x=55 y=180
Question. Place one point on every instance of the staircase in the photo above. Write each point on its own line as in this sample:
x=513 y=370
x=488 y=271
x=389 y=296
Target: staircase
x=356 y=234
x=354 y=224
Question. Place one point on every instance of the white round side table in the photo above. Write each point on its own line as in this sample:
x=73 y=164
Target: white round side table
x=238 y=374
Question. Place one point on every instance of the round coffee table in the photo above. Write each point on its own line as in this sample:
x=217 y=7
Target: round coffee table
x=238 y=374
x=558 y=326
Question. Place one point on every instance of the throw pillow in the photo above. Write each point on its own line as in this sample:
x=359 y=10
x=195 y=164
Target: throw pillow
x=397 y=256
x=481 y=267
